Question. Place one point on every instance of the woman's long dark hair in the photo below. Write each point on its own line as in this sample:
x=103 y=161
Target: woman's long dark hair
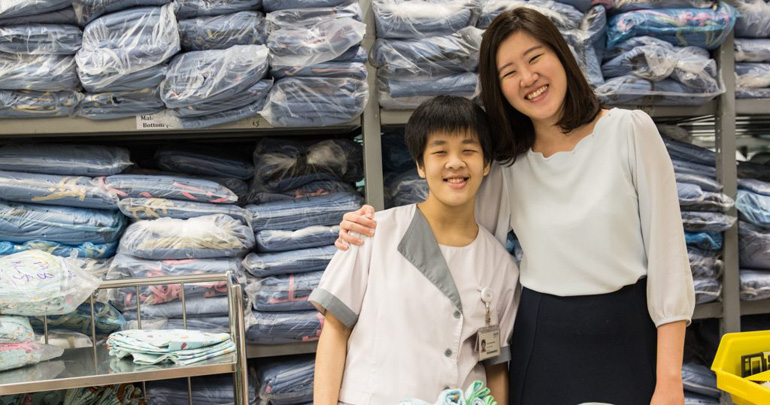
x=512 y=131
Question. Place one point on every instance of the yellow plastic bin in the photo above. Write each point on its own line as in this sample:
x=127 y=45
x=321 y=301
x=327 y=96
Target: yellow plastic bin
x=727 y=366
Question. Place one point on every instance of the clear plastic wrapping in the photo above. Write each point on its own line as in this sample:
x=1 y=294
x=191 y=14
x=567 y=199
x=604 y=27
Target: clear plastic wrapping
x=173 y=188
x=276 y=5
x=259 y=194
x=395 y=155
x=623 y=6
x=752 y=75
x=754 y=19
x=755 y=186
x=685 y=167
x=124 y=266
x=308 y=17
x=753 y=246
x=708 y=241
x=752 y=50
x=72 y=226
x=213 y=324
x=458 y=52
x=401 y=103
x=20 y=354
x=632 y=90
x=310 y=237
x=200 y=308
x=707 y=221
x=38 y=283
x=423 y=18
x=706 y=290
x=351 y=70
x=197 y=8
x=704 y=264
x=284 y=327
x=84 y=250
x=692 y=153
x=457 y=84
x=204 y=237
x=65 y=160
x=283 y=293
x=752 y=93
x=705 y=183
x=38 y=72
x=112 y=105
x=407 y=188
x=202 y=117
x=153 y=208
x=297 y=214
x=88 y=10
x=755 y=285
x=315 y=102
x=754 y=208
x=283 y=164
x=82 y=192
x=40 y=39
x=21 y=8
x=587 y=43
x=304 y=46
x=107 y=319
x=215 y=389
x=116 y=45
x=700 y=379
x=63 y=16
x=38 y=104
x=291 y=262
x=693 y=198
x=204 y=160
x=564 y=16
x=701 y=27
x=214 y=75
x=139 y=80
x=222 y=32
x=15 y=329
x=287 y=380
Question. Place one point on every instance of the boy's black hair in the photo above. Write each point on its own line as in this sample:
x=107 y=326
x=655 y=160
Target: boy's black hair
x=450 y=115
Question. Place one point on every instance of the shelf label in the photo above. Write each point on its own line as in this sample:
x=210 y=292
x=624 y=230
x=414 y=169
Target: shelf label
x=154 y=122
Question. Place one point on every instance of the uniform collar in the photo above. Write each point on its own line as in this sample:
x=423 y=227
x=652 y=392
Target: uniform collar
x=419 y=247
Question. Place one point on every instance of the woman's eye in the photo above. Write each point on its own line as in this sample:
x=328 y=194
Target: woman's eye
x=535 y=58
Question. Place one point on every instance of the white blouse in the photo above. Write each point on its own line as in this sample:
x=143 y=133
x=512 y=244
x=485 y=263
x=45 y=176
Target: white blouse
x=597 y=218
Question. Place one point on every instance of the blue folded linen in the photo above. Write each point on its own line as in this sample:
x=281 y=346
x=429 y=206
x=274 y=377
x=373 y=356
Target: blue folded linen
x=632 y=90
x=38 y=72
x=171 y=187
x=287 y=380
x=65 y=160
x=301 y=213
x=753 y=246
x=276 y=5
x=21 y=8
x=694 y=221
x=222 y=32
x=297 y=45
x=154 y=208
x=259 y=194
x=281 y=241
x=755 y=285
x=315 y=101
x=291 y=262
x=754 y=19
x=40 y=39
x=284 y=327
x=752 y=50
x=112 y=105
x=419 y=19
x=139 y=80
x=205 y=161
x=283 y=293
x=197 y=8
x=72 y=226
x=48 y=189
x=86 y=250
x=88 y=10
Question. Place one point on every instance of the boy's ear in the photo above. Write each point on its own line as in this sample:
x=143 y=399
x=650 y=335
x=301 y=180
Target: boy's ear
x=420 y=171
x=487 y=168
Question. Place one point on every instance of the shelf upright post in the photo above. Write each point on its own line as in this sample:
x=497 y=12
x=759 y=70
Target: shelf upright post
x=375 y=188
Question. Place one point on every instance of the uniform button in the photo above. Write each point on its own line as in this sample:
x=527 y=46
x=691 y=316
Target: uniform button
x=457 y=314
x=448 y=352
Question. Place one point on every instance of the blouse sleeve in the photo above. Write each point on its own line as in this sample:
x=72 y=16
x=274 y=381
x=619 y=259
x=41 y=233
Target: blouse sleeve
x=492 y=204
x=670 y=293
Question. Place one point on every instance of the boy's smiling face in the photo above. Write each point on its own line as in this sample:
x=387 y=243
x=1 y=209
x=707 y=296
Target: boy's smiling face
x=453 y=164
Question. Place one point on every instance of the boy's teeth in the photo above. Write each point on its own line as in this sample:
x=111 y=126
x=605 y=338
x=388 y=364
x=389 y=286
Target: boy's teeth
x=455 y=180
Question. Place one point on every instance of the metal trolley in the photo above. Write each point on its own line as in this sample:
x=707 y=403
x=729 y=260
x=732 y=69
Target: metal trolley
x=93 y=366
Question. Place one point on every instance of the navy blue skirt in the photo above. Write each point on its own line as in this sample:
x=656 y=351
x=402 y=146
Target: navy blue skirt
x=597 y=348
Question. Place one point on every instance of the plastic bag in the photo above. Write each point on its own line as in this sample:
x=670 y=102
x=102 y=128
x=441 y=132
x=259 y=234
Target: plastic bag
x=107 y=319
x=200 y=308
x=407 y=188
x=21 y=8
x=564 y=16
x=741 y=93
x=308 y=17
x=204 y=237
x=704 y=28
x=297 y=214
x=40 y=39
x=276 y=5
x=126 y=42
x=174 y=188
x=215 y=324
x=38 y=283
x=754 y=19
x=222 y=32
x=287 y=380
x=693 y=198
x=67 y=225
x=458 y=52
x=291 y=262
x=112 y=105
x=315 y=102
x=689 y=65
x=632 y=90
x=283 y=293
x=197 y=8
x=15 y=355
x=88 y=10
x=15 y=329
x=699 y=379
x=139 y=80
x=706 y=290
x=685 y=167
x=623 y=6
x=458 y=84
x=754 y=208
x=708 y=241
x=215 y=389
x=423 y=18
x=705 y=183
x=284 y=327
x=351 y=70
x=47 y=189
x=66 y=340
x=312 y=236
x=704 y=264
x=154 y=208
x=755 y=285
x=753 y=246
x=395 y=155
x=66 y=160
x=752 y=50
x=259 y=92
x=752 y=75
x=63 y=16
x=207 y=76
x=38 y=104
x=259 y=194
x=305 y=46
x=84 y=250
x=707 y=221
x=38 y=72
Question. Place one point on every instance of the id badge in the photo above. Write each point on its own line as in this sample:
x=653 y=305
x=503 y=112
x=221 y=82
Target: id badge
x=488 y=342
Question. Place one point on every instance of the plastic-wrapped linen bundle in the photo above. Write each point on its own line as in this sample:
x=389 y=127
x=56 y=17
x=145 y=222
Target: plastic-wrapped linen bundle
x=283 y=293
x=693 y=198
x=23 y=8
x=705 y=264
x=752 y=93
x=200 y=307
x=63 y=16
x=704 y=28
x=695 y=221
x=706 y=290
x=124 y=266
x=65 y=160
x=120 y=104
x=587 y=43
x=302 y=213
x=752 y=50
x=82 y=192
x=21 y=223
x=38 y=72
x=708 y=241
x=311 y=101
x=15 y=328
x=203 y=237
x=216 y=389
x=754 y=246
x=88 y=10
x=310 y=237
x=284 y=327
x=126 y=42
x=222 y=32
x=107 y=320
x=637 y=91
x=705 y=183
x=753 y=202
x=203 y=83
x=83 y=250
x=755 y=285
x=683 y=151
x=406 y=188
x=564 y=16
x=622 y=6
x=289 y=262
x=352 y=70
x=395 y=155
x=423 y=18
x=198 y=8
x=40 y=39
x=277 y=5
x=288 y=380
x=139 y=80
x=754 y=19
x=699 y=379
x=752 y=79
x=153 y=208
x=259 y=194
x=20 y=354
x=170 y=187
x=38 y=104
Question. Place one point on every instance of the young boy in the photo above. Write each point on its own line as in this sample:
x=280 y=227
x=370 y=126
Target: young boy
x=405 y=311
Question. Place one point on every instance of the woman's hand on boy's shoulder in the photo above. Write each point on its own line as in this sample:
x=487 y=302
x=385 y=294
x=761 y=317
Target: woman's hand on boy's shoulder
x=360 y=222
